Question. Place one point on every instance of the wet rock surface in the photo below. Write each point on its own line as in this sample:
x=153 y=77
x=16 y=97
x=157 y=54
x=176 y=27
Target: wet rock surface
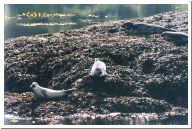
x=148 y=82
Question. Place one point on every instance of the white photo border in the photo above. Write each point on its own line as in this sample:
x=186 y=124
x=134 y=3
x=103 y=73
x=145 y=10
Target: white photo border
x=188 y=2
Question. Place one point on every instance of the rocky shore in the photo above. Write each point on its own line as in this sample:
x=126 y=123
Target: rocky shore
x=149 y=67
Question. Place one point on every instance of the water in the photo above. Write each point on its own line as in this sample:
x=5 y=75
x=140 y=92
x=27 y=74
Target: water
x=103 y=119
x=24 y=20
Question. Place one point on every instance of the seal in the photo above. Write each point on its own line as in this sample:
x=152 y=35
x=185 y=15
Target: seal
x=141 y=28
x=98 y=69
x=179 y=38
x=46 y=93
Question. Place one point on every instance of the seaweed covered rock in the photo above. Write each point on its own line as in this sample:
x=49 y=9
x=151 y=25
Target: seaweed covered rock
x=19 y=104
x=176 y=21
x=148 y=73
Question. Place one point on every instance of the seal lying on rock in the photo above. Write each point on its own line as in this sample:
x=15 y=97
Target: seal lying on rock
x=98 y=69
x=143 y=28
x=179 y=38
x=45 y=93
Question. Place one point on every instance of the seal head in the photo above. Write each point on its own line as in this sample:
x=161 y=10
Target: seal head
x=98 y=69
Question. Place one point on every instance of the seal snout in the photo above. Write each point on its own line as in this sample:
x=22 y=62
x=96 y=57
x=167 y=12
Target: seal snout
x=33 y=84
x=98 y=69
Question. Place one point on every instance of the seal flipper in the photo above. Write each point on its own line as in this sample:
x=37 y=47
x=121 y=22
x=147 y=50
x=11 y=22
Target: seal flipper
x=69 y=90
x=44 y=93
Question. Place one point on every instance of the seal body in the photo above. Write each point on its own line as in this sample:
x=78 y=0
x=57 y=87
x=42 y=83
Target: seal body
x=143 y=28
x=179 y=38
x=98 y=69
x=46 y=93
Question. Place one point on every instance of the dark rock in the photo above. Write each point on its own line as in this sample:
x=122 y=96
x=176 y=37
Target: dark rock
x=179 y=21
x=113 y=30
x=136 y=105
x=148 y=74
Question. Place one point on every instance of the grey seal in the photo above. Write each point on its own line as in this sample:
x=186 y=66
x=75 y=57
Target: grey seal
x=98 y=69
x=179 y=38
x=143 y=28
x=46 y=93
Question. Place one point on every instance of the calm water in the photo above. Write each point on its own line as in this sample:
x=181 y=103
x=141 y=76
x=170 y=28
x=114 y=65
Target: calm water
x=23 y=20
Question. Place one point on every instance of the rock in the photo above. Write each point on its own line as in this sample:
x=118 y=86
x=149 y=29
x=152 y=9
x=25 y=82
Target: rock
x=148 y=73
x=179 y=20
x=113 y=29
x=136 y=105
